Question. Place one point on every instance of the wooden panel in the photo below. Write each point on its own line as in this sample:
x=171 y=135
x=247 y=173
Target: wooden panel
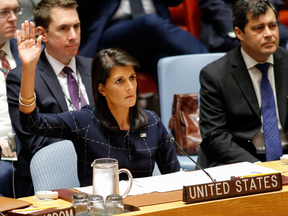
x=271 y=203
x=276 y=165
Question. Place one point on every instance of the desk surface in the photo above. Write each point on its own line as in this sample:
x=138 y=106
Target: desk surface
x=272 y=203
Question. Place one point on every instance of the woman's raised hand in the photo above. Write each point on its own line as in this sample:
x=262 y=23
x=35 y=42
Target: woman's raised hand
x=29 y=50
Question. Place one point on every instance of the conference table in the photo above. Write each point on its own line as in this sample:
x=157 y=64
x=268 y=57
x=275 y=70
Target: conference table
x=170 y=203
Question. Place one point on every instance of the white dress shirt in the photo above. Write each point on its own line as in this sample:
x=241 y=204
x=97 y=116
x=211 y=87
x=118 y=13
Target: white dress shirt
x=124 y=10
x=256 y=76
x=5 y=122
x=62 y=77
x=9 y=56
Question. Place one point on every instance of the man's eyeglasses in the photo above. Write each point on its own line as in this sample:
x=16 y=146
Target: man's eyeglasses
x=7 y=12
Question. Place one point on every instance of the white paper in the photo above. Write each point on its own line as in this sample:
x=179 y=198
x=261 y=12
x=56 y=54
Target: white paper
x=88 y=189
x=176 y=181
x=238 y=169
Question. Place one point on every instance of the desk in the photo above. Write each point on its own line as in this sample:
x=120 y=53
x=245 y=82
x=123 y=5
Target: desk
x=58 y=202
x=272 y=203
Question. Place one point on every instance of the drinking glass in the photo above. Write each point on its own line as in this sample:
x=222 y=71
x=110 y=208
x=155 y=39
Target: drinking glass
x=79 y=202
x=96 y=205
x=114 y=204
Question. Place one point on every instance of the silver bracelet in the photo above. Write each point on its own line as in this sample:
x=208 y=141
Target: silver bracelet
x=26 y=105
x=25 y=100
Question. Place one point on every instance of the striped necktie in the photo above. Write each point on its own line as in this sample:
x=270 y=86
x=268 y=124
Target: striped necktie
x=5 y=64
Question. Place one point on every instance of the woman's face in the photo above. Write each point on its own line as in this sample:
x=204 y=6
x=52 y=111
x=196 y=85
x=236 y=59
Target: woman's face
x=120 y=88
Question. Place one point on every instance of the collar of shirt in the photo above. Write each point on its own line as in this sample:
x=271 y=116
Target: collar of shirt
x=9 y=56
x=58 y=66
x=7 y=50
x=250 y=62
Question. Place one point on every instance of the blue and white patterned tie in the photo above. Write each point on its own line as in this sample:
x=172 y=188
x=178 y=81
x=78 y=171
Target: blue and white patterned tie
x=270 y=124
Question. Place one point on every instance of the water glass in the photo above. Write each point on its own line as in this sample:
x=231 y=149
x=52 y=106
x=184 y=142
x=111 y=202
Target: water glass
x=79 y=202
x=114 y=204
x=96 y=205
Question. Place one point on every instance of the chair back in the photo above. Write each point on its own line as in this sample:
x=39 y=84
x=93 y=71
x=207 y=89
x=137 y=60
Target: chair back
x=180 y=75
x=55 y=167
x=187 y=15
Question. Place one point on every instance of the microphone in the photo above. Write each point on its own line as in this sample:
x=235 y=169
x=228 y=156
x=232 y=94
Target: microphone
x=172 y=139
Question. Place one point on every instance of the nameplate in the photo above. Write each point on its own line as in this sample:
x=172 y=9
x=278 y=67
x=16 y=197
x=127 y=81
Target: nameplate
x=232 y=188
x=47 y=212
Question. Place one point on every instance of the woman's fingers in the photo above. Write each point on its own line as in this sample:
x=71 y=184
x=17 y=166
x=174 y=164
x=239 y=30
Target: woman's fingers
x=22 y=32
x=18 y=37
x=32 y=29
x=27 y=30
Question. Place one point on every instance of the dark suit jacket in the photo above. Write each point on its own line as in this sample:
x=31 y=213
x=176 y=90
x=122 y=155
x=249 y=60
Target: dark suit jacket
x=50 y=99
x=14 y=50
x=138 y=153
x=229 y=112
x=94 y=16
x=216 y=22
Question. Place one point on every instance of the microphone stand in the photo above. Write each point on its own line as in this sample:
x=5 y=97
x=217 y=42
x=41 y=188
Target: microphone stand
x=171 y=138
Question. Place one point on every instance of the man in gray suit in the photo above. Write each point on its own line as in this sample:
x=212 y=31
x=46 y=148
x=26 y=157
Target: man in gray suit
x=59 y=24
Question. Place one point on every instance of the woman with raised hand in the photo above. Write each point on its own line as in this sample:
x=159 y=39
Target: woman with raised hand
x=115 y=128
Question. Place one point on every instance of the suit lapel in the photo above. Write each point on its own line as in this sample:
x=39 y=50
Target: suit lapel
x=242 y=77
x=280 y=73
x=85 y=73
x=47 y=73
x=14 y=50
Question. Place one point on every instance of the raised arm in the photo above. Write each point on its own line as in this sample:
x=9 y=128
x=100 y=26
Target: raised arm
x=29 y=53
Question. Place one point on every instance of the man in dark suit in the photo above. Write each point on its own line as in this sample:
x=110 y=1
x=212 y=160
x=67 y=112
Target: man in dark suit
x=217 y=25
x=9 y=59
x=147 y=37
x=6 y=167
x=233 y=105
x=59 y=25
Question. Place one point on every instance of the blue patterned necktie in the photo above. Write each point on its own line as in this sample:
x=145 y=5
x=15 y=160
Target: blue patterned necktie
x=137 y=9
x=73 y=89
x=270 y=124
